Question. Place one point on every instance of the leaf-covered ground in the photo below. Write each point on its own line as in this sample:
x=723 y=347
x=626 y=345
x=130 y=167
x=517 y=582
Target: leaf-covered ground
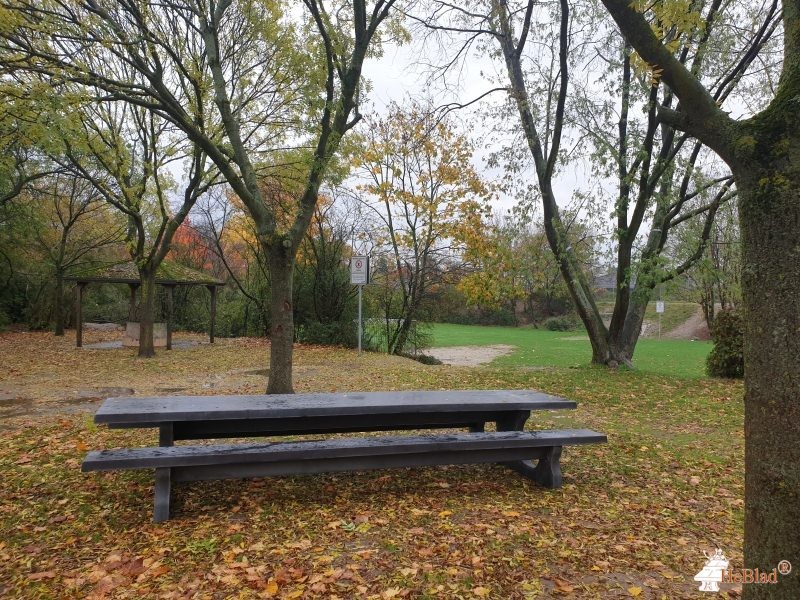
x=631 y=520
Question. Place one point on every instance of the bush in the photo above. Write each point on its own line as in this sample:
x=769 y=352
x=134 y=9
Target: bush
x=559 y=324
x=339 y=333
x=727 y=357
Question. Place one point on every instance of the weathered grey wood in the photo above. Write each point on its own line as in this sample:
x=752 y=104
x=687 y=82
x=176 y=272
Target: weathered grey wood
x=170 y=313
x=216 y=428
x=351 y=463
x=230 y=461
x=201 y=417
x=79 y=289
x=320 y=450
x=514 y=421
x=163 y=494
x=166 y=434
x=213 y=316
x=546 y=472
x=150 y=411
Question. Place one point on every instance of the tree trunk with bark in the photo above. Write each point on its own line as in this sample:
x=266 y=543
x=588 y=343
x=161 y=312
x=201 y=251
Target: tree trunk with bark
x=769 y=186
x=281 y=269
x=60 y=315
x=147 y=301
x=763 y=153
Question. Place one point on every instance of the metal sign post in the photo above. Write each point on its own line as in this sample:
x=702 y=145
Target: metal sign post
x=359 y=275
x=660 y=311
x=360 y=320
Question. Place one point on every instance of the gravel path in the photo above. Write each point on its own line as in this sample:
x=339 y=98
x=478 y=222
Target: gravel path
x=470 y=356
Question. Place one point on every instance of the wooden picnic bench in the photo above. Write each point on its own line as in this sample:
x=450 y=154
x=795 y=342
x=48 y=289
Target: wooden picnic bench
x=209 y=417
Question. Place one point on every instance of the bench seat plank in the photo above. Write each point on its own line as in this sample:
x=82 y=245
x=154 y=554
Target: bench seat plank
x=151 y=411
x=316 y=450
x=230 y=461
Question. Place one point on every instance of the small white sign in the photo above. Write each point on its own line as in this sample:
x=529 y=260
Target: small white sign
x=359 y=270
x=659 y=306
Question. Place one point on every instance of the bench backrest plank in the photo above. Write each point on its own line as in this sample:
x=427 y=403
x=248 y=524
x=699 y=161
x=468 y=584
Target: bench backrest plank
x=147 y=410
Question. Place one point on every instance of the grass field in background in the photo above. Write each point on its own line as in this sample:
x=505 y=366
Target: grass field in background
x=542 y=348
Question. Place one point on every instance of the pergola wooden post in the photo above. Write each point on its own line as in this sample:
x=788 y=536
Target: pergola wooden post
x=213 y=290
x=169 y=276
x=79 y=313
x=170 y=308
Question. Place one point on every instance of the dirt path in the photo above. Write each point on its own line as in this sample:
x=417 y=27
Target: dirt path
x=470 y=356
x=693 y=328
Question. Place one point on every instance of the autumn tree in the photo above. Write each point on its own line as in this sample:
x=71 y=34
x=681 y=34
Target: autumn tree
x=124 y=151
x=763 y=153
x=652 y=169
x=427 y=198
x=325 y=298
x=511 y=261
x=73 y=226
x=25 y=115
x=245 y=82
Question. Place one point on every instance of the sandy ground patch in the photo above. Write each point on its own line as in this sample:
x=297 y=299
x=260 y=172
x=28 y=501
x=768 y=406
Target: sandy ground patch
x=470 y=356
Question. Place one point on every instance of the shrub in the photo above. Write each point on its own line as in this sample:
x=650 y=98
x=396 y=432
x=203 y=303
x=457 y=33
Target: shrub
x=340 y=333
x=559 y=324
x=727 y=357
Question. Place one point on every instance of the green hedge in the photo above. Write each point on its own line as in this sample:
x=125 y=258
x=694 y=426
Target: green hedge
x=726 y=359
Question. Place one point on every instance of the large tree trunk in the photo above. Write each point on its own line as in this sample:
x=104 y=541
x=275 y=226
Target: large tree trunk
x=58 y=302
x=281 y=271
x=623 y=341
x=770 y=226
x=146 y=313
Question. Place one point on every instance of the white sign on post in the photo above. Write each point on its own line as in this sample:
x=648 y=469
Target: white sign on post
x=359 y=270
x=359 y=275
x=659 y=306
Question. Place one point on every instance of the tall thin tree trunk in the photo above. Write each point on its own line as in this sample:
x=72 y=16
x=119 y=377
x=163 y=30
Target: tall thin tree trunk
x=403 y=331
x=58 y=304
x=281 y=271
x=146 y=313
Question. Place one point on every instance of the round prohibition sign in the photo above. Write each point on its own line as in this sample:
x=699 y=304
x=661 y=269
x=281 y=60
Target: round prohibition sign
x=359 y=264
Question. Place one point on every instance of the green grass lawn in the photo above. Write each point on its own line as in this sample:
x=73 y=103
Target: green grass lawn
x=541 y=348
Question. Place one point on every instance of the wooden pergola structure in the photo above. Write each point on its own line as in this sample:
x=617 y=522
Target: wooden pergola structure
x=169 y=276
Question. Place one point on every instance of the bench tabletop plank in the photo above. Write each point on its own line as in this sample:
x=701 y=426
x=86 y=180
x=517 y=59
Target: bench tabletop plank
x=150 y=410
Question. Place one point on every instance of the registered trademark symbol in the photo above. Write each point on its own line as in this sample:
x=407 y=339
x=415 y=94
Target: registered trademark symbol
x=784 y=567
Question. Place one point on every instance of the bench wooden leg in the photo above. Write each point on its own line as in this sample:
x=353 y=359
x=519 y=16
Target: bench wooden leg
x=162 y=494
x=513 y=422
x=166 y=434
x=546 y=472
